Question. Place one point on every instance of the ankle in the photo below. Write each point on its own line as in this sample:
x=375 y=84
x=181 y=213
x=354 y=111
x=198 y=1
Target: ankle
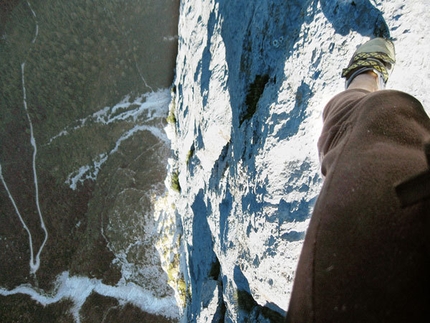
x=368 y=80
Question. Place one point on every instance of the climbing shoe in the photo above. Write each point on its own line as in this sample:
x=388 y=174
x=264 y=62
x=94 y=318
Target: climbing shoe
x=377 y=55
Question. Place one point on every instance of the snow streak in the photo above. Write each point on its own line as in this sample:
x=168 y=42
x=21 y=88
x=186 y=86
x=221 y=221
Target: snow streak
x=78 y=289
x=34 y=260
x=34 y=263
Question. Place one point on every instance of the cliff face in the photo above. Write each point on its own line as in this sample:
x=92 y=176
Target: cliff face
x=252 y=79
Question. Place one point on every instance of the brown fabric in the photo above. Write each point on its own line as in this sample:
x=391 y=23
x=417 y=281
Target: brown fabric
x=365 y=259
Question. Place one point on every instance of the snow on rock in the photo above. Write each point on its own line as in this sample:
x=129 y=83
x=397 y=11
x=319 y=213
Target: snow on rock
x=252 y=79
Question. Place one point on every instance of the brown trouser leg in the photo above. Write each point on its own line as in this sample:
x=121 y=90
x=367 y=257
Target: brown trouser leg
x=365 y=259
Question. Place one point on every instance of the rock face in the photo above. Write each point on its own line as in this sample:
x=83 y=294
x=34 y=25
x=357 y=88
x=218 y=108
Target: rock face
x=251 y=81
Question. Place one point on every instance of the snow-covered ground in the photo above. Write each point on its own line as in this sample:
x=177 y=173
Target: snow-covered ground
x=248 y=178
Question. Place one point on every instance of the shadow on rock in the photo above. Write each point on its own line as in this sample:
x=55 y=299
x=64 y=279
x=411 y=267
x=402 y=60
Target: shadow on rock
x=355 y=15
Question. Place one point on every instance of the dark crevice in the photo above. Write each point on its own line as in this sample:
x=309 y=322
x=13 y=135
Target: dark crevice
x=253 y=95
